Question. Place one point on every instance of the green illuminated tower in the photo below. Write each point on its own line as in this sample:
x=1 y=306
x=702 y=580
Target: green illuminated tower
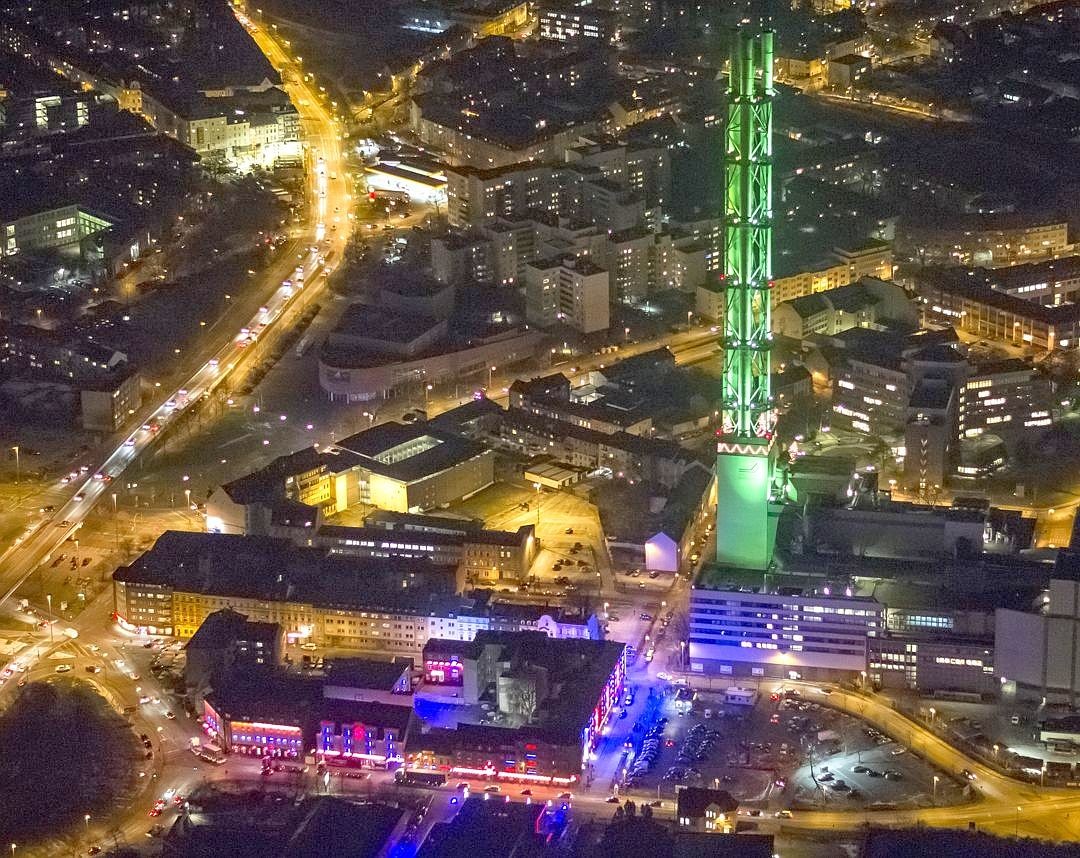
x=744 y=461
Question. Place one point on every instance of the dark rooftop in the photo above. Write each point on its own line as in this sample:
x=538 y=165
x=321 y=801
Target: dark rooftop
x=381 y=675
x=275 y=570
x=223 y=627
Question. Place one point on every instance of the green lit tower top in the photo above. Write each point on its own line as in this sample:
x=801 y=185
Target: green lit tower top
x=745 y=453
x=747 y=398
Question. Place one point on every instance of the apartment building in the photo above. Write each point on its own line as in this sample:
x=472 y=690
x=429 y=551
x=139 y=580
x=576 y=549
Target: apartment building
x=568 y=290
x=364 y=603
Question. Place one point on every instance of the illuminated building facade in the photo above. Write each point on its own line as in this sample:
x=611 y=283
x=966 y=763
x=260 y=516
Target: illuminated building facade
x=776 y=636
x=287 y=717
x=1005 y=398
x=745 y=453
x=555 y=696
x=53 y=229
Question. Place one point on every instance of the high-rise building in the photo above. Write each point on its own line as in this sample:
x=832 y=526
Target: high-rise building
x=570 y=290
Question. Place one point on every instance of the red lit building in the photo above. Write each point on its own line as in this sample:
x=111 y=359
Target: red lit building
x=571 y=685
x=289 y=716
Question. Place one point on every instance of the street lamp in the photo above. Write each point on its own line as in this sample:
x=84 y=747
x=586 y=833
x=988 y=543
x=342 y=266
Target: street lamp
x=86 y=819
x=537 y=487
x=427 y=393
x=48 y=599
x=1018 y=809
x=18 y=469
x=936 y=779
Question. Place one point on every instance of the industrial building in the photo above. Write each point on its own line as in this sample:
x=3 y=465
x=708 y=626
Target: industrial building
x=1037 y=651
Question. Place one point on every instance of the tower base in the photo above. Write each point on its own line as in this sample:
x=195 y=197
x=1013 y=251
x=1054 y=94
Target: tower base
x=744 y=469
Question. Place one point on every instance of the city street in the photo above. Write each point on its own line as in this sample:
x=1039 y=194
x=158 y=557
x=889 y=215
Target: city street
x=121 y=660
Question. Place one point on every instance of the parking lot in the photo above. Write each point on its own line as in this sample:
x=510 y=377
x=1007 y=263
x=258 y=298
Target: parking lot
x=782 y=753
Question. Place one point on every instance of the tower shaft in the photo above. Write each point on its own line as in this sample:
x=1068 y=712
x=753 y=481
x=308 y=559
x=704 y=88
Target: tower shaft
x=746 y=395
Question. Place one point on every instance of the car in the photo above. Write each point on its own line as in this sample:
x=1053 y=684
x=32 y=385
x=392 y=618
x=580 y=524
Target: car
x=654 y=574
x=525 y=792
x=178 y=799
x=828 y=776
x=569 y=531
x=493 y=788
x=874 y=773
x=156 y=831
x=93 y=668
x=1014 y=720
x=171 y=716
x=144 y=700
x=612 y=799
x=309 y=646
x=840 y=786
x=463 y=785
x=63 y=668
x=967 y=774
x=783 y=814
x=94 y=850
x=898 y=751
x=566 y=796
x=893 y=775
x=80 y=497
x=859 y=770
x=774 y=718
x=154 y=812
x=130 y=442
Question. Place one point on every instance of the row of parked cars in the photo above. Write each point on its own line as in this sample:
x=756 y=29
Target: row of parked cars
x=648 y=755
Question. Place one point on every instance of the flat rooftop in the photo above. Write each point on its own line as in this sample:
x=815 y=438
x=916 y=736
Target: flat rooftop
x=410 y=453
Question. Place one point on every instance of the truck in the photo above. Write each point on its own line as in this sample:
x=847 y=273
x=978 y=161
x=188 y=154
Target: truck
x=431 y=780
x=736 y=696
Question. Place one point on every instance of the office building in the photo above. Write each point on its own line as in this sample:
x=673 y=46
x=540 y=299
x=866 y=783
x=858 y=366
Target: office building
x=815 y=636
x=565 y=22
x=1004 y=398
x=28 y=228
x=1032 y=305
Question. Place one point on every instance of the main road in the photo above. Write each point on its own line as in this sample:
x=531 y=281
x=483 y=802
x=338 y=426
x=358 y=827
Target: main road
x=291 y=281
x=283 y=283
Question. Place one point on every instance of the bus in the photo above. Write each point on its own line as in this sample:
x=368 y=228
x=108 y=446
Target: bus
x=431 y=780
